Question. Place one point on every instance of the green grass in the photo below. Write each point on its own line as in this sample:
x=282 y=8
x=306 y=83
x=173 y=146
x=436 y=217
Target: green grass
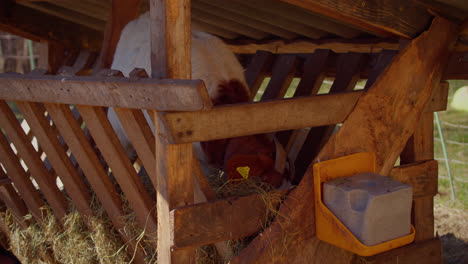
x=454 y=128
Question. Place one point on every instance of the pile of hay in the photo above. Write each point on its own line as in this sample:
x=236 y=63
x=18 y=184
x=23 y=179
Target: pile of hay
x=75 y=243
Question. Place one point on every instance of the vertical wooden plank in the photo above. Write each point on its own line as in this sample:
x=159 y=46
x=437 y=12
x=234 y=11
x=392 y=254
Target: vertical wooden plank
x=20 y=179
x=418 y=148
x=48 y=138
x=93 y=170
x=170 y=58
x=46 y=182
x=381 y=62
x=282 y=74
x=122 y=169
x=258 y=70
x=122 y=12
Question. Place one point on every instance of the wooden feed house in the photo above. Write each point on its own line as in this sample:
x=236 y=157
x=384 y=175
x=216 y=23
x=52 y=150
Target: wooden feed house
x=404 y=49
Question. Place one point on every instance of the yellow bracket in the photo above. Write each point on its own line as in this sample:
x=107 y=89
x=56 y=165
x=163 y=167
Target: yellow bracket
x=328 y=227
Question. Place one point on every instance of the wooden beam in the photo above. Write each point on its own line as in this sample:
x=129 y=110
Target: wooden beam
x=422 y=176
x=23 y=21
x=382 y=121
x=401 y=18
x=429 y=251
x=258 y=70
x=122 y=12
x=270 y=116
x=170 y=37
x=230 y=218
x=284 y=70
x=163 y=95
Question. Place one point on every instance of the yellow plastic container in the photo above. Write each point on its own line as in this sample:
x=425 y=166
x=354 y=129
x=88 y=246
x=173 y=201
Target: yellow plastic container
x=328 y=227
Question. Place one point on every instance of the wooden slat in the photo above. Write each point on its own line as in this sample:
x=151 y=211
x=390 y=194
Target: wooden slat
x=282 y=74
x=12 y=200
x=122 y=12
x=140 y=135
x=257 y=70
x=428 y=252
x=24 y=21
x=231 y=25
x=123 y=171
x=202 y=181
x=212 y=29
x=381 y=122
x=313 y=73
x=170 y=58
x=251 y=22
x=46 y=182
x=347 y=75
x=405 y=19
x=48 y=138
x=230 y=218
x=21 y=180
x=94 y=172
x=301 y=15
x=271 y=116
x=382 y=61
x=67 y=14
x=163 y=95
x=266 y=17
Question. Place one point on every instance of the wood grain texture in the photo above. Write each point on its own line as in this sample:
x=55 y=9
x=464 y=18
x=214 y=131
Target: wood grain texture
x=429 y=251
x=230 y=218
x=421 y=176
x=163 y=95
x=170 y=58
x=270 y=116
x=46 y=182
x=404 y=91
x=122 y=169
x=56 y=153
x=385 y=17
x=23 y=21
x=21 y=180
x=12 y=200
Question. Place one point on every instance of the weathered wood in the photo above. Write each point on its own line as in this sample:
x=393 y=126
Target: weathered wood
x=89 y=162
x=46 y=182
x=266 y=17
x=405 y=19
x=163 y=95
x=258 y=70
x=170 y=58
x=373 y=125
x=123 y=171
x=429 y=252
x=418 y=148
x=271 y=116
x=212 y=29
x=251 y=22
x=347 y=75
x=382 y=61
x=21 y=180
x=231 y=25
x=313 y=73
x=122 y=12
x=277 y=8
x=421 y=176
x=12 y=200
x=24 y=21
x=310 y=46
x=230 y=218
x=282 y=74
x=48 y=138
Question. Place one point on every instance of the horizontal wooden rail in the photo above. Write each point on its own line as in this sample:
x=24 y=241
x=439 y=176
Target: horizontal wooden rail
x=160 y=95
x=239 y=217
x=277 y=115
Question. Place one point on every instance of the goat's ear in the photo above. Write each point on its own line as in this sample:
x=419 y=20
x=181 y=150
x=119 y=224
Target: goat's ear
x=231 y=92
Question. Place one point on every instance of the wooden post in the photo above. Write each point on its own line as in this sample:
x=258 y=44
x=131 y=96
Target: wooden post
x=170 y=58
x=418 y=148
